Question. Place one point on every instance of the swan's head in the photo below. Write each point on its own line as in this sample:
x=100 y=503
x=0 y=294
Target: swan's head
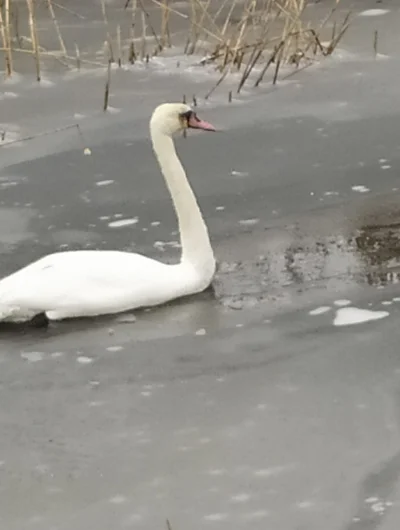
x=170 y=118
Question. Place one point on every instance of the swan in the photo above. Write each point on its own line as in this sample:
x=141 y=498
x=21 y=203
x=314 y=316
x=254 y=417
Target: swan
x=89 y=283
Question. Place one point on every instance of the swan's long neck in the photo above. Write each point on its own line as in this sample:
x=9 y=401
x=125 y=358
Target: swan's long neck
x=195 y=241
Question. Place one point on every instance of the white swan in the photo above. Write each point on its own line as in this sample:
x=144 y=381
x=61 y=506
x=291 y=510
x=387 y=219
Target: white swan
x=96 y=282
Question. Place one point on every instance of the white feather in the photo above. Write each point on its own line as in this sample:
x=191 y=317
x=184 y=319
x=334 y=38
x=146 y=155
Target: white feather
x=91 y=283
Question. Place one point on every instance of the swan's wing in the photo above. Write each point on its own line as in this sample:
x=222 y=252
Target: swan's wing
x=89 y=283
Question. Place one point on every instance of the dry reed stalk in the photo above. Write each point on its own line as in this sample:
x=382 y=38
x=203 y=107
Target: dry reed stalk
x=268 y=63
x=215 y=17
x=255 y=55
x=16 y=23
x=216 y=84
x=376 y=43
x=200 y=24
x=170 y=9
x=147 y=15
x=259 y=48
x=38 y=135
x=333 y=31
x=86 y=61
x=34 y=37
x=107 y=86
x=132 y=52
x=143 y=42
x=318 y=44
x=239 y=60
x=104 y=12
x=304 y=67
x=297 y=7
x=344 y=27
x=106 y=24
x=288 y=32
x=286 y=12
x=119 y=46
x=165 y=33
x=278 y=63
x=78 y=57
x=205 y=14
x=191 y=30
x=183 y=15
x=70 y=11
x=57 y=27
x=7 y=30
x=219 y=11
x=242 y=25
x=321 y=26
x=45 y=53
x=6 y=47
x=226 y=55
x=228 y=17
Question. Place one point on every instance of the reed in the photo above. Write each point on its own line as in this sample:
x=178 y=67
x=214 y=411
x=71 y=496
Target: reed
x=245 y=37
x=34 y=37
x=57 y=27
x=165 y=39
x=5 y=37
x=107 y=87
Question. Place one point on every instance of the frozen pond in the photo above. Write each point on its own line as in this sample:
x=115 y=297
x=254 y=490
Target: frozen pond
x=269 y=401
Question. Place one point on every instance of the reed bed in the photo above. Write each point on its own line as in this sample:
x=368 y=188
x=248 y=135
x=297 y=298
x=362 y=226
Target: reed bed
x=247 y=38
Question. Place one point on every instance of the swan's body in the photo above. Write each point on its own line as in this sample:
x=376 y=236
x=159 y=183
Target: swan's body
x=92 y=282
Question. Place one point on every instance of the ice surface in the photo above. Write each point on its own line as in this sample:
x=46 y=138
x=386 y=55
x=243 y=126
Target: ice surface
x=233 y=407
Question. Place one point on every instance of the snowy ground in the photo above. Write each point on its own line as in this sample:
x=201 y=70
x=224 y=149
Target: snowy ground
x=272 y=402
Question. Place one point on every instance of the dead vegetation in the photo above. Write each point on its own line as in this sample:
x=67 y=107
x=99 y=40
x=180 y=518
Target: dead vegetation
x=245 y=37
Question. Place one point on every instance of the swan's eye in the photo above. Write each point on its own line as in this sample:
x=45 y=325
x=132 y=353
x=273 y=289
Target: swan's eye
x=185 y=118
x=189 y=119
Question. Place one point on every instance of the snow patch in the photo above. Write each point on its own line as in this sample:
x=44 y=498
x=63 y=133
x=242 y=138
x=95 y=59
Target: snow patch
x=104 y=182
x=258 y=514
x=215 y=517
x=319 y=310
x=123 y=222
x=373 y=12
x=113 y=110
x=360 y=189
x=118 y=499
x=348 y=316
x=82 y=359
x=239 y=173
x=249 y=222
x=240 y=497
x=342 y=303
x=8 y=95
x=33 y=356
x=9 y=134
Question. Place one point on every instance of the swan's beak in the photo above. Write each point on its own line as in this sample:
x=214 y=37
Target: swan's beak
x=195 y=123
